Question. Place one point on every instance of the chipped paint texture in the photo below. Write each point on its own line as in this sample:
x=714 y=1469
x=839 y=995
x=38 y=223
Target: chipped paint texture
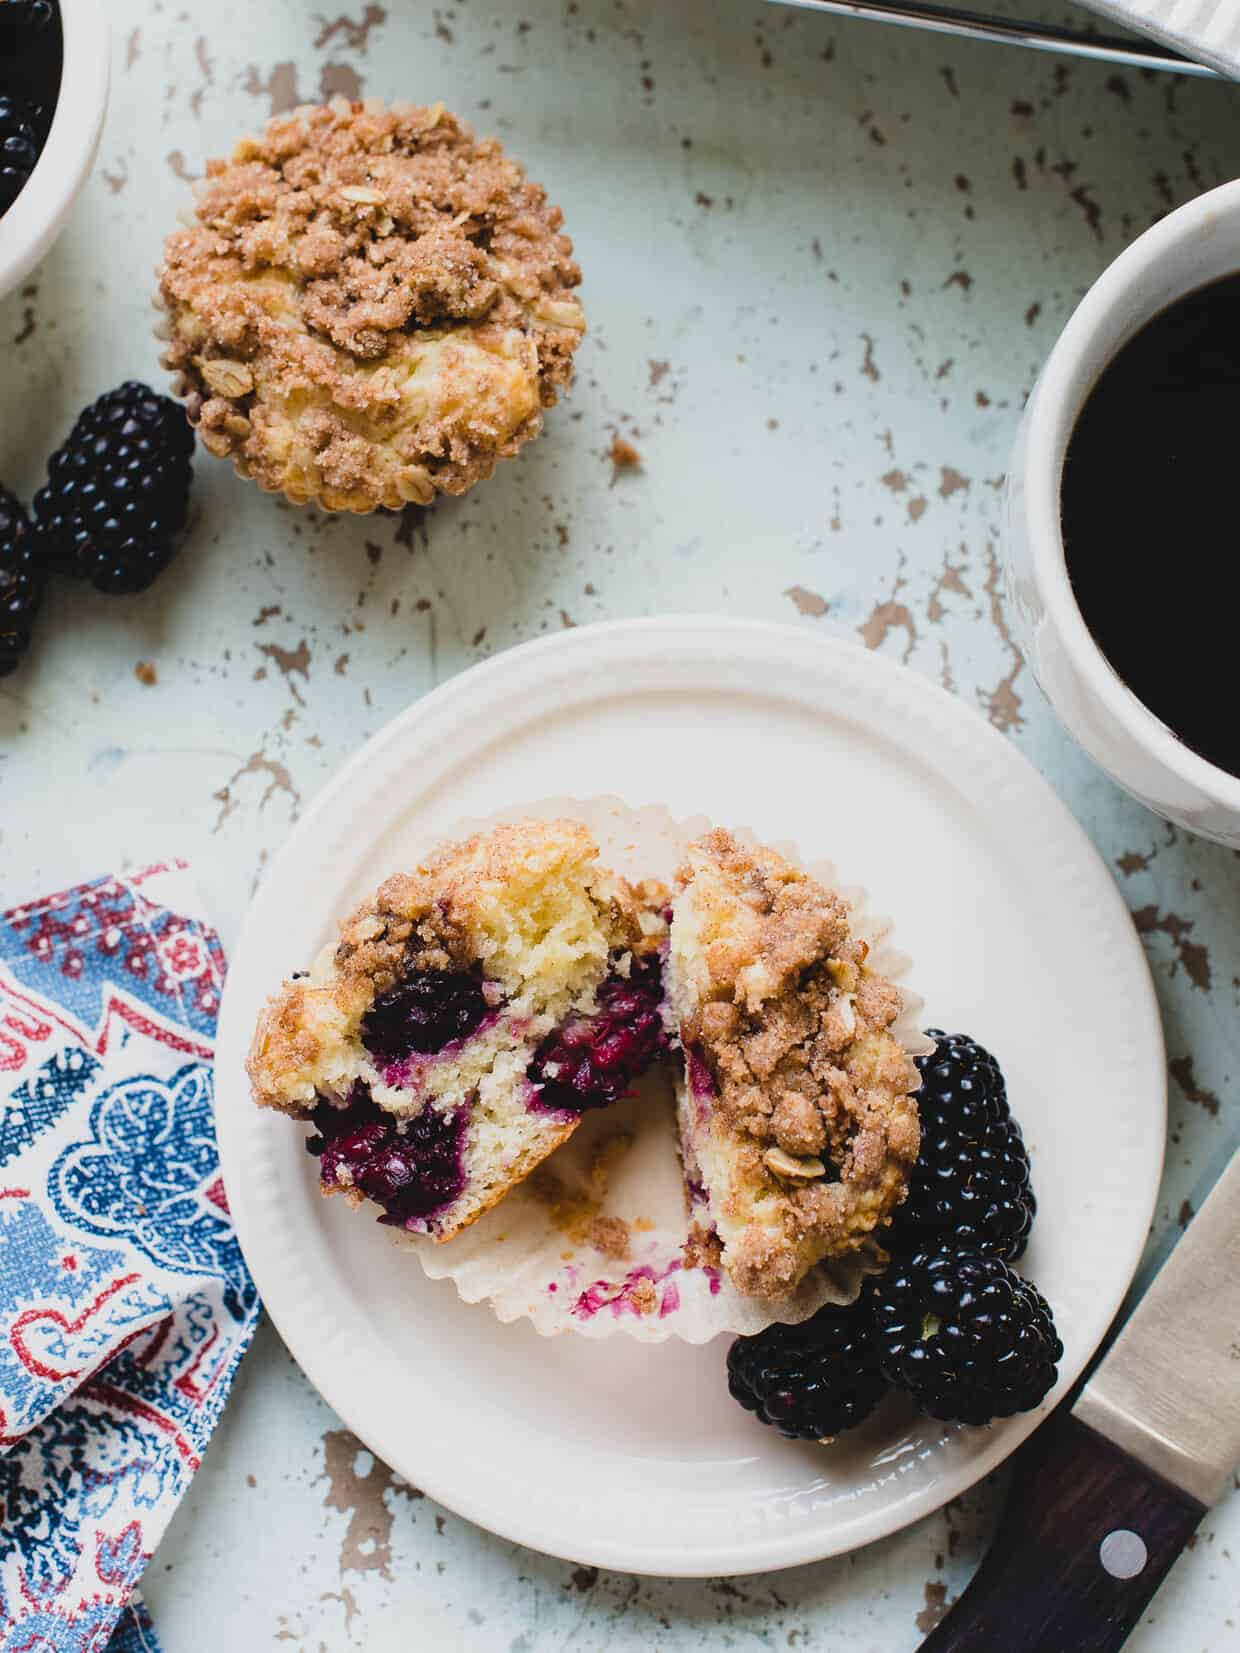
x=817 y=326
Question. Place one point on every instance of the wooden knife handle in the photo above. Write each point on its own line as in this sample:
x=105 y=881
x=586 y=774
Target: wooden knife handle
x=1086 y=1538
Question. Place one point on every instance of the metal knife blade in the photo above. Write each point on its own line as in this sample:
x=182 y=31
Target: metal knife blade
x=1168 y=1393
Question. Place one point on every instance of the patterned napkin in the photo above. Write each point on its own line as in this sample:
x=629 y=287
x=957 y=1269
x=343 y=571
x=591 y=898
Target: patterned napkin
x=124 y=1301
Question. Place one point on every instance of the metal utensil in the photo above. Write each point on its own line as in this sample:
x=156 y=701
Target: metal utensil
x=1040 y=37
x=1106 y=1497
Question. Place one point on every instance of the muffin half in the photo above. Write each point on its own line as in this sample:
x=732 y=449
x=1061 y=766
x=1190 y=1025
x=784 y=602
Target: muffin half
x=797 y=1124
x=469 y=1014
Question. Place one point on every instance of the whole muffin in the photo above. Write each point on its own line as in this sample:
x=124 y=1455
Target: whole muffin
x=369 y=306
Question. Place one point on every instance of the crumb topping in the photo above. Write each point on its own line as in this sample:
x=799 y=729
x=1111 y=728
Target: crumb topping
x=372 y=305
x=810 y=1085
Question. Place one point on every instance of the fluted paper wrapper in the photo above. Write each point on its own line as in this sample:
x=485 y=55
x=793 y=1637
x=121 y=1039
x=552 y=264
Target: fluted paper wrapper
x=547 y=1251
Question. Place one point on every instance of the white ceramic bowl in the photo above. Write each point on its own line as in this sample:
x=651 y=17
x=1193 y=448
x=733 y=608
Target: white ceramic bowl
x=37 y=216
x=1194 y=245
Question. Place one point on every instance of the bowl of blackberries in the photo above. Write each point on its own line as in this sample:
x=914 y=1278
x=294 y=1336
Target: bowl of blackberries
x=53 y=92
x=949 y=1322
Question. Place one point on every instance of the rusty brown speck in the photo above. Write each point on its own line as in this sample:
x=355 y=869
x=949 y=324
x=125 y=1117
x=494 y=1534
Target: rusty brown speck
x=367 y=1543
x=868 y=365
x=1191 y=954
x=280 y=88
x=807 y=602
x=1184 y=1076
x=291 y=663
x=1132 y=861
x=278 y=780
x=340 y=80
x=935 y=1607
x=355 y=32
x=951 y=481
x=1004 y=706
x=146 y=674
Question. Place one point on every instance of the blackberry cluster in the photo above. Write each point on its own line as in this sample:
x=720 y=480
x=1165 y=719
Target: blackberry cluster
x=950 y=1323
x=811 y=1381
x=22 y=581
x=117 y=492
x=964 y=1335
x=970 y=1186
x=29 y=79
x=116 y=498
x=23 y=129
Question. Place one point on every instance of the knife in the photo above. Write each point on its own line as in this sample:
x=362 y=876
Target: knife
x=1106 y=1496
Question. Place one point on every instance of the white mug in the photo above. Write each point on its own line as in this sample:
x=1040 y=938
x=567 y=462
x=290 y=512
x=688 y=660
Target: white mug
x=1196 y=244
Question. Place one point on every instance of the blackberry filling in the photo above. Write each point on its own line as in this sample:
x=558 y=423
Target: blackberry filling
x=590 y=1061
x=424 y=1013
x=412 y=1173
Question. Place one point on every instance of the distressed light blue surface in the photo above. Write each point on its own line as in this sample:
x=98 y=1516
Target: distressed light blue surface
x=823 y=262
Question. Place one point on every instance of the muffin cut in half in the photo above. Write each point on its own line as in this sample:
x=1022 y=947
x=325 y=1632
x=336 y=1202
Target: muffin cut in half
x=369 y=306
x=797 y=1124
x=469 y=1014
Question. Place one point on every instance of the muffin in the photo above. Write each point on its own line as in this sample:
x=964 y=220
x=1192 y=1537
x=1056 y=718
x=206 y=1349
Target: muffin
x=369 y=306
x=470 y=1013
x=797 y=1122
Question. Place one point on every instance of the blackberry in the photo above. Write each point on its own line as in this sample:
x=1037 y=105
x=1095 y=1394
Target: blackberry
x=814 y=1380
x=425 y=1012
x=970 y=1186
x=411 y=1171
x=22 y=131
x=117 y=492
x=22 y=20
x=590 y=1061
x=21 y=581
x=964 y=1335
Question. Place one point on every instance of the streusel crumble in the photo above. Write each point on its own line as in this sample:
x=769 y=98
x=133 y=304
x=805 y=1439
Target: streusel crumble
x=371 y=306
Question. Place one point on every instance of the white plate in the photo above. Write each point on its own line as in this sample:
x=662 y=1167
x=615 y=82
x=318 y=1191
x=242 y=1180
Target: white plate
x=630 y=1456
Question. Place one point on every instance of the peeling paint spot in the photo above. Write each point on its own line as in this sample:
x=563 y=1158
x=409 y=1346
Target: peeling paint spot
x=355 y=31
x=280 y=88
x=890 y=616
x=1132 y=861
x=868 y=365
x=1003 y=704
x=935 y=1608
x=807 y=602
x=961 y=279
x=950 y=579
x=917 y=508
x=658 y=371
x=367 y=1543
x=278 y=780
x=116 y=180
x=339 y=80
x=1191 y=954
x=1184 y=1076
x=290 y=663
x=951 y=481
x=895 y=480
x=178 y=165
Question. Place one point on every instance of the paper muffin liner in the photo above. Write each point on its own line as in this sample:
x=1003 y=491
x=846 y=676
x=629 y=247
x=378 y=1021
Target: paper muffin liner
x=593 y=1242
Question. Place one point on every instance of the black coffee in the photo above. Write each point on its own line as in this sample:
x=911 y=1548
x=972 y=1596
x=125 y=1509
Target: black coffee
x=1151 y=518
